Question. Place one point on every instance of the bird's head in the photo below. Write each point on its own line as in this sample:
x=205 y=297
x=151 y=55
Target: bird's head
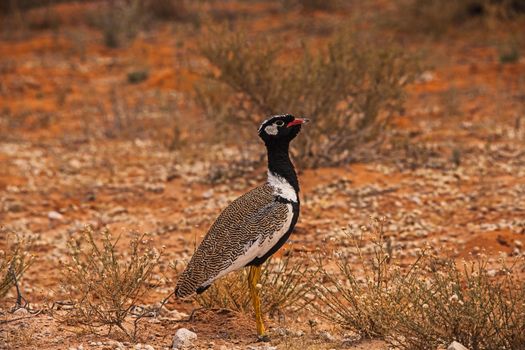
x=280 y=128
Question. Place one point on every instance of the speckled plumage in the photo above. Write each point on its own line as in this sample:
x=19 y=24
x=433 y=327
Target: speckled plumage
x=255 y=225
x=253 y=218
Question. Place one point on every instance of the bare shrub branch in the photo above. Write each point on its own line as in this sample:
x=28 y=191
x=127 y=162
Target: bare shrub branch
x=425 y=306
x=106 y=285
x=13 y=263
x=285 y=284
x=349 y=89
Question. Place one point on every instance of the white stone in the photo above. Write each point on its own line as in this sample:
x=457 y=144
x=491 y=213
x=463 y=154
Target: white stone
x=327 y=336
x=21 y=311
x=55 y=215
x=261 y=347
x=456 y=346
x=208 y=194
x=183 y=339
x=426 y=77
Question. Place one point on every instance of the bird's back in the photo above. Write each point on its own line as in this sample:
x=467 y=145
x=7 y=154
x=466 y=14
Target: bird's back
x=246 y=230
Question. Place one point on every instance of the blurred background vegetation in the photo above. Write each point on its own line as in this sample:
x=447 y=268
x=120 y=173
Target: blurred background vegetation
x=344 y=64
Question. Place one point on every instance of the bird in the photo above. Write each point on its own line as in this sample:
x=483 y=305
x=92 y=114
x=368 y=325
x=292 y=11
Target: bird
x=255 y=225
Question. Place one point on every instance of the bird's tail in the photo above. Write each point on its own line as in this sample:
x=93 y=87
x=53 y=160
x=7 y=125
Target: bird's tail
x=185 y=285
x=192 y=280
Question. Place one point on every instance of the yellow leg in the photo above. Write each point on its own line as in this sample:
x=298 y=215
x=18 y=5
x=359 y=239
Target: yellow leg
x=253 y=279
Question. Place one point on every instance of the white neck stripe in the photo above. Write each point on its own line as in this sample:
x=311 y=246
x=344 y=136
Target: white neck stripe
x=281 y=187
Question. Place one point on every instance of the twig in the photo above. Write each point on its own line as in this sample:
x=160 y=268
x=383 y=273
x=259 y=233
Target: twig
x=192 y=315
x=163 y=302
x=19 y=297
x=21 y=318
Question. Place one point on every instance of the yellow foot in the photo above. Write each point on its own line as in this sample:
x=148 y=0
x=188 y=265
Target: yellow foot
x=263 y=338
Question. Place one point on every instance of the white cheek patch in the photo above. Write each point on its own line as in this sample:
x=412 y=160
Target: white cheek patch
x=271 y=129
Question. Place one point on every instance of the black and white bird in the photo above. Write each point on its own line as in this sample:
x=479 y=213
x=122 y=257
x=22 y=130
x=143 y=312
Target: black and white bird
x=255 y=225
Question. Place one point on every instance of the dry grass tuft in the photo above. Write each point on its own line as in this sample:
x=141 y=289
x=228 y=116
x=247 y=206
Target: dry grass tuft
x=105 y=285
x=461 y=302
x=358 y=301
x=13 y=263
x=426 y=305
x=349 y=90
x=285 y=284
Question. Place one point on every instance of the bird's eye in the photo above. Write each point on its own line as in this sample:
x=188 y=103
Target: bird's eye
x=279 y=123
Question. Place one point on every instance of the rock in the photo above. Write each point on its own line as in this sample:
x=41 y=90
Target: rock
x=118 y=345
x=183 y=339
x=54 y=215
x=261 y=347
x=21 y=311
x=426 y=77
x=140 y=346
x=492 y=272
x=327 y=336
x=230 y=347
x=288 y=332
x=350 y=338
x=456 y=346
x=208 y=194
x=154 y=187
x=117 y=211
x=75 y=164
x=172 y=315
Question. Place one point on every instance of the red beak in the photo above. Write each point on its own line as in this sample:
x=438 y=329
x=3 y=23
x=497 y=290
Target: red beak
x=297 y=121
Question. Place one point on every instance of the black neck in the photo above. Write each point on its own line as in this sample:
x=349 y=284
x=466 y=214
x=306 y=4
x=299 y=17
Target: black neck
x=280 y=164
